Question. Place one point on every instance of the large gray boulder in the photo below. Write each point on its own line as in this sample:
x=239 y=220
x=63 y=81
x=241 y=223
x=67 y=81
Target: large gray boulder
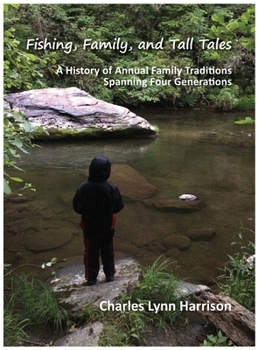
x=70 y=282
x=71 y=112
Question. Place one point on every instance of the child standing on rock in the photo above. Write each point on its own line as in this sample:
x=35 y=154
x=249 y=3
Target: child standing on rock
x=97 y=201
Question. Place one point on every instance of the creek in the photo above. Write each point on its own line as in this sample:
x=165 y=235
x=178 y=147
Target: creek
x=196 y=152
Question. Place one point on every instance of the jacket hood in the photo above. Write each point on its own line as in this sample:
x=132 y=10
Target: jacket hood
x=100 y=169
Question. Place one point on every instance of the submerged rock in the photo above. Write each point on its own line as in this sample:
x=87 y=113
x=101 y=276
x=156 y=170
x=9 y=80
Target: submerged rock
x=168 y=204
x=41 y=239
x=71 y=112
x=204 y=234
x=177 y=241
x=132 y=184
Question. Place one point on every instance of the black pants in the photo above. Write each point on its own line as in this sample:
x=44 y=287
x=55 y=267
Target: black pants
x=95 y=246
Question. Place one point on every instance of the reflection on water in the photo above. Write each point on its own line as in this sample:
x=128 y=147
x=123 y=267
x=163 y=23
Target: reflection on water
x=175 y=162
x=79 y=154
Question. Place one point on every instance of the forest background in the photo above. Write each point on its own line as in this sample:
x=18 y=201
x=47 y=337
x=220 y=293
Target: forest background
x=134 y=23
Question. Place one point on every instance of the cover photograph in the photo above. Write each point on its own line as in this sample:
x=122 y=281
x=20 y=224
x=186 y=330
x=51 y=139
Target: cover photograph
x=129 y=174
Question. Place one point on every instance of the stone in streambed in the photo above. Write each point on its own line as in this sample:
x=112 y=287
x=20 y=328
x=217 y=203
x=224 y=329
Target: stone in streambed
x=49 y=238
x=204 y=234
x=177 y=241
x=168 y=204
x=131 y=183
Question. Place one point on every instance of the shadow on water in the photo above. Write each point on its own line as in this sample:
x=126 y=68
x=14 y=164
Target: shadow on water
x=206 y=155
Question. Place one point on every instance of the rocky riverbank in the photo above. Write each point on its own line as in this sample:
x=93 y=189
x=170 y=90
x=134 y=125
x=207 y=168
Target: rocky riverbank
x=74 y=295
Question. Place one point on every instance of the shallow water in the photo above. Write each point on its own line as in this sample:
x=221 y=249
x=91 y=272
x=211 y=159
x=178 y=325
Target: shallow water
x=193 y=153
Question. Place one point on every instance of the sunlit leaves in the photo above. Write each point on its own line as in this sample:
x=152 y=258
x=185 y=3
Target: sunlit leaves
x=247 y=120
x=21 y=71
x=241 y=30
x=134 y=23
x=18 y=135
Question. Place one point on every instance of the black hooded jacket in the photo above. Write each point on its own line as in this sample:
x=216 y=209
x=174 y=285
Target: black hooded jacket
x=97 y=200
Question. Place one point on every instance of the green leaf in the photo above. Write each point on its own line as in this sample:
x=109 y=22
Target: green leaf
x=28 y=127
x=212 y=338
x=245 y=16
x=215 y=55
x=248 y=120
x=133 y=335
x=206 y=343
x=17 y=143
x=7 y=188
x=14 y=75
x=213 y=28
x=217 y=18
x=31 y=56
x=17 y=179
x=7 y=265
x=232 y=25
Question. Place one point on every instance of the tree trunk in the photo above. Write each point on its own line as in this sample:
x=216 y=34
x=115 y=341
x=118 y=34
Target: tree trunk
x=238 y=323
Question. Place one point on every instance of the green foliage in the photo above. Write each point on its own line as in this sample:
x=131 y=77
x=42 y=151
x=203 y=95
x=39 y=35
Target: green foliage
x=245 y=103
x=89 y=314
x=227 y=98
x=248 y=120
x=14 y=327
x=29 y=302
x=158 y=284
x=135 y=23
x=126 y=328
x=18 y=136
x=122 y=328
x=112 y=336
x=18 y=70
x=135 y=325
x=239 y=274
x=155 y=279
x=22 y=71
x=242 y=29
x=239 y=29
x=217 y=340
